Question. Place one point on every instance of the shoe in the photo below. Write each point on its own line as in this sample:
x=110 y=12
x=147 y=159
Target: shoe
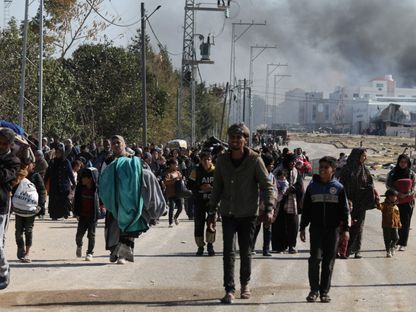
x=393 y=251
x=266 y=253
x=5 y=280
x=402 y=248
x=171 y=225
x=200 y=251
x=113 y=258
x=292 y=250
x=88 y=257
x=253 y=253
x=228 y=298
x=79 y=252
x=343 y=257
x=312 y=297
x=20 y=253
x=245 y=292
x=25 y=260
x=358 y=255
x=176 y=221
x=121 y=261
x=325 y=298
x=210 y=249
x=388 y=255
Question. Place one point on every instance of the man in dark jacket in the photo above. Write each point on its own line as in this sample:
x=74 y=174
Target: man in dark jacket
x=239 y=175
x=9 y=166
x=325 y=208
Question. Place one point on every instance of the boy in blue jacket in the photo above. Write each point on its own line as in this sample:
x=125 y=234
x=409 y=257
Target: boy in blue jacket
x=325 y=208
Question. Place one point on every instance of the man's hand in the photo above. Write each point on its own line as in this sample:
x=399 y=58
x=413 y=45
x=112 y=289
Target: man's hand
x=302 y=236
x=268 y=218
x=346 y=235
x=211 y=223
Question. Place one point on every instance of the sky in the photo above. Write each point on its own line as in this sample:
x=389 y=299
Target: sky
x=326 y=43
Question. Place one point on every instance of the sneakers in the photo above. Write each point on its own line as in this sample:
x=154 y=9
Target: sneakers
x=228 y=298
x=88 y=257
x=5 y=280
x=79 y=252
x=253 y=253
x=393 y=251
x=313 y=296
x=388 y=255
x=200 y=251
x=245 y=292
x=402 y=248
x=25 y=260
x=292 y=250
x=358 y=255
x=176 y=221
x=325 y=298
x=121 y=261
x=266 y=253
x=171 y=225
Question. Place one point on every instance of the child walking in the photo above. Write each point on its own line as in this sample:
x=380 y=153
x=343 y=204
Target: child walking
x=390 y=221
x=87 y=210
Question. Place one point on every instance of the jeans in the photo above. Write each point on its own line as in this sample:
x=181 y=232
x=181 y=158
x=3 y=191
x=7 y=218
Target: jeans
x=177 y=203
x=24 y=225
x=391 y=236
x=200 y=215
x=4 y=265
x=406 y=212
x=244 y=228
x=267 y=236
x=84 y=225
x=356 y=236
x=323 y=250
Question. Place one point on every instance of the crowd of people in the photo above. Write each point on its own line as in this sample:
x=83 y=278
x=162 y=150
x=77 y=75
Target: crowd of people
x=245 y=189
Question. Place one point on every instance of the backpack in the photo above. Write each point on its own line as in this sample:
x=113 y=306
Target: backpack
x=25 y=199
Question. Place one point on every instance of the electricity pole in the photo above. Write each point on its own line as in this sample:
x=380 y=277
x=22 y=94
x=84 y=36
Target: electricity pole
x=275 y=82
x=40 y=132
x=143 y=66
x=267 y=113
x=23 y=68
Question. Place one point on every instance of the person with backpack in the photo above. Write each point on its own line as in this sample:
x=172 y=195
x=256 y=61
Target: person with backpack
x=9 y=167
x=87 y=210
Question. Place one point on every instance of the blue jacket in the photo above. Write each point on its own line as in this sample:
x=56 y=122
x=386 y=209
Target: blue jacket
x=325 y=205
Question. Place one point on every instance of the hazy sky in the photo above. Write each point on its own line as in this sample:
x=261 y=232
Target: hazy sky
x=325 y=42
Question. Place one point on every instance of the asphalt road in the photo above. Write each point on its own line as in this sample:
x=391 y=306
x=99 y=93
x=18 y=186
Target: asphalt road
x=166 y=276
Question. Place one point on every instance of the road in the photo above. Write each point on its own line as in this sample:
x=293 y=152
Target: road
x=166 y=276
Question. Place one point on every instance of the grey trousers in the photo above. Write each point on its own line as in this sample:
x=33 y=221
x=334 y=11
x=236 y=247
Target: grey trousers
x=4 y=265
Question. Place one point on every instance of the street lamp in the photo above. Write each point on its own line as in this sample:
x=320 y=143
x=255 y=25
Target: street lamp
x=144 y=18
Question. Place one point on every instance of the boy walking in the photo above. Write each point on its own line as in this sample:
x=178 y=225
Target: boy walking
x=325 y=208
x=390 y=221
x=87 y=210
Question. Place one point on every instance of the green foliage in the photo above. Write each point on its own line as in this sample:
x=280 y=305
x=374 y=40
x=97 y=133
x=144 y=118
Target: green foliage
x=96 y=91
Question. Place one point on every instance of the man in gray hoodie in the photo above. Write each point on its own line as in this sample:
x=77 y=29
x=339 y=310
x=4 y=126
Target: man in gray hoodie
x=240 y=174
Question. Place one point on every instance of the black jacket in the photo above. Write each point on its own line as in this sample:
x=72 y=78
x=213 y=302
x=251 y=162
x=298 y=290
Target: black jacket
x=78 y=192
x=9 y=167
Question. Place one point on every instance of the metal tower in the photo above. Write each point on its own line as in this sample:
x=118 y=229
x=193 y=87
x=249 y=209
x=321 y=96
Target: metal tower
x=6 y=16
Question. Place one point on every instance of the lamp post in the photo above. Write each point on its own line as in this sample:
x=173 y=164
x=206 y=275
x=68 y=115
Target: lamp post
x=143 y=67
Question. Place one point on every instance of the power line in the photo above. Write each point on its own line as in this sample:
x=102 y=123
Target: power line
x=160 y=43
x=107 y=20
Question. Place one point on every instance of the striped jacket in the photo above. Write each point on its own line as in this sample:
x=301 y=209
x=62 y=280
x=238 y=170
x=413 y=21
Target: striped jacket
x=325 y=205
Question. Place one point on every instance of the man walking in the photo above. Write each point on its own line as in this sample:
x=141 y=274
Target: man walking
x=239 y=175
x=9 y=166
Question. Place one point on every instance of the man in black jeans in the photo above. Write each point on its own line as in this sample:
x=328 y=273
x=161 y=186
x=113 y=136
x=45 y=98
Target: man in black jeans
x=239 y=174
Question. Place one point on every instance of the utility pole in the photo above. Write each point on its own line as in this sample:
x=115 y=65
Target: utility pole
x=275 y=82
x=234 y=39
x=143 y=67
x=189 y=62
x=250 y=81
x=266 y=105
x=23 y=67
x=244 y=100
x=40 y=132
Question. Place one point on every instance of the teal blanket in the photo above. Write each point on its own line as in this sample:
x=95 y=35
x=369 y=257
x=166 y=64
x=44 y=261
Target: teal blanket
x=120 y=191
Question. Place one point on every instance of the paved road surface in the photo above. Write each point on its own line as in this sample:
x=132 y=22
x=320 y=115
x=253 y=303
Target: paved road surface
x=166 y=276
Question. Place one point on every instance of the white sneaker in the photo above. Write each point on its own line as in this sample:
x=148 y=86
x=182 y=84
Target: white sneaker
x=402 y=248
x=88 y=257
x=79 y=252
x=388 y=255
x=121 y=261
